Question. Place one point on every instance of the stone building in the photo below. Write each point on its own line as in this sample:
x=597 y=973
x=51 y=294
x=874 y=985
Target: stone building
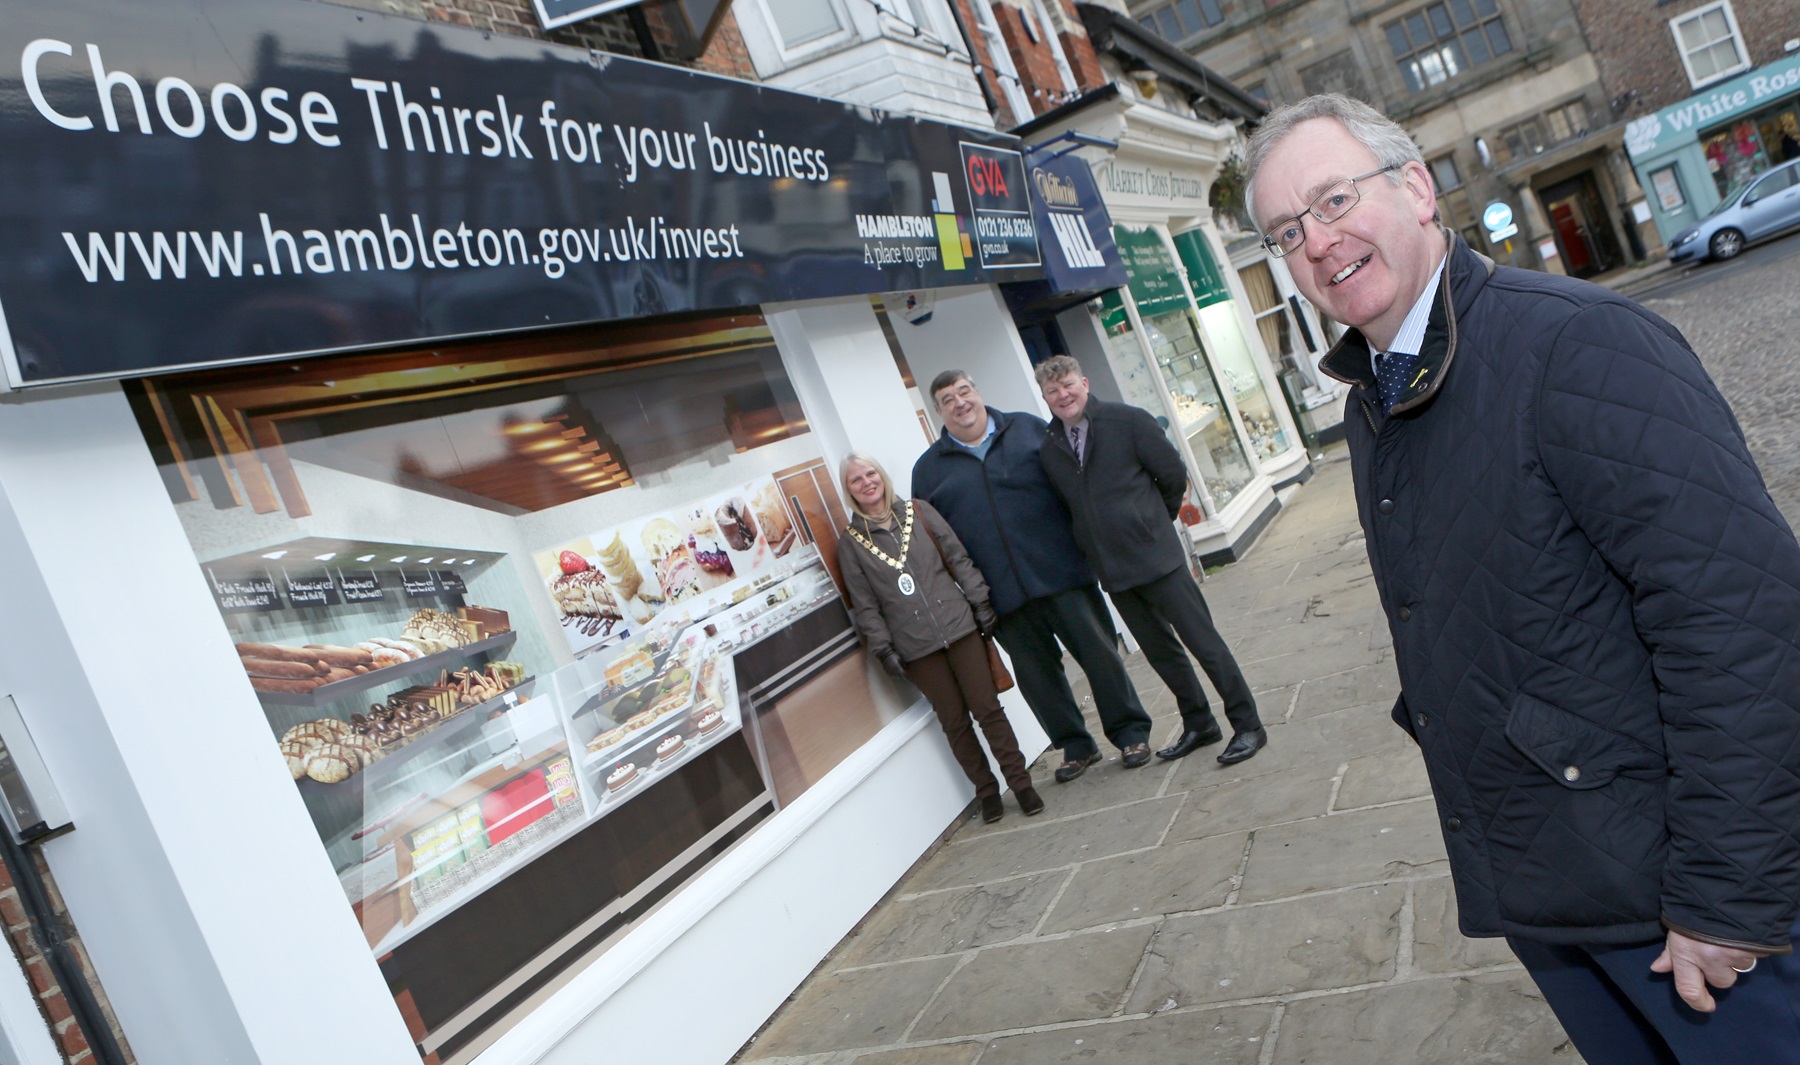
x=1504 y=96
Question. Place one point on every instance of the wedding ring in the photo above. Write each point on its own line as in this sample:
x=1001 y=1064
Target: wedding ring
x=1746 y=968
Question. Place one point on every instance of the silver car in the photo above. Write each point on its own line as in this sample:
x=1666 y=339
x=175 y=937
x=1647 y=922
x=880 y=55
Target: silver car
x=1763 y=206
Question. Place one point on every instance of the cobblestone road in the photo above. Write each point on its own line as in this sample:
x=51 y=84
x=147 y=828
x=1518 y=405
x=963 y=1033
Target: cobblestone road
x=1743 y=318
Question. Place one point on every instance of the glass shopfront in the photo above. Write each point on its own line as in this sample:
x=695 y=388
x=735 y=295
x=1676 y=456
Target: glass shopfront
x=541 y=628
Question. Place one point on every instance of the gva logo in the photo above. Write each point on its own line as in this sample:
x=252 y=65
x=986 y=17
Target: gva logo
x=987 y=177
x=1641 y=134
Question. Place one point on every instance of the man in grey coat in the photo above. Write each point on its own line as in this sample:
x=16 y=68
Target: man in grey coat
x=1123 y=482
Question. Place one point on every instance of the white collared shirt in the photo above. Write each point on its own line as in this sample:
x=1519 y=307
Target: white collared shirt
x=1411 y=336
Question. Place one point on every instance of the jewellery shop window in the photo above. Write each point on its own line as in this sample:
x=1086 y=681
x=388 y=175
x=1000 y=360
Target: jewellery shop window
x=521 y=616
x=1204 y=422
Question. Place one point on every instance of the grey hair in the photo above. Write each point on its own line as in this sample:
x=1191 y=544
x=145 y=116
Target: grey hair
x=1390 y=144
x=1055 y=368
x=863 y=458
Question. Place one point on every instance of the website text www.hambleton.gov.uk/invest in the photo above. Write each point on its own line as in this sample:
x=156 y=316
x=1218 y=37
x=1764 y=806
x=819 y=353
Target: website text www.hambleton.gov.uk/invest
x=176 y=255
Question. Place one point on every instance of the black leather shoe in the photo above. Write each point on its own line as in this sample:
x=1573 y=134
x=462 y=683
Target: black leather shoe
x=1244 y=745
x=1192 y=741
x=1135 y=755
x=992 y=809
x=1030 y=802
x=1074 y=767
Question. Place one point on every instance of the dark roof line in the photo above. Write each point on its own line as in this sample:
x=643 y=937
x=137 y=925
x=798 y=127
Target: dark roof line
x=1113 y=32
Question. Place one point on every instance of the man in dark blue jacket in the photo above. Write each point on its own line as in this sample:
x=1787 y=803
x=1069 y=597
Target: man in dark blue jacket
x=1595 y=605
x=983 y=476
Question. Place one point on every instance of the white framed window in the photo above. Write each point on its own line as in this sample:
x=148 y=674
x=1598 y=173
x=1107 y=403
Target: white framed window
x=1709 y=43
x=801 y=22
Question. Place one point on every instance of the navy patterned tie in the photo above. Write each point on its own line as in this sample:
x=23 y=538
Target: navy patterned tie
x=1075 y=442
x=1392 y=376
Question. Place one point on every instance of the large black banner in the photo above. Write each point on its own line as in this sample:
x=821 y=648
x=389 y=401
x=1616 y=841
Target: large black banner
x=188 y=182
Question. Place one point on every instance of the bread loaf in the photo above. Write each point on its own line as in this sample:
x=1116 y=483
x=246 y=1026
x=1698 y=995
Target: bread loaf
x=324 y=730
x=332 y=763
x=295 y=753
x=346 y=657
x=283 y=668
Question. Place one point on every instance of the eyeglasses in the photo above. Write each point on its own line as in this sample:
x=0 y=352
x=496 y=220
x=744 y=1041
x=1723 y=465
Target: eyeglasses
x=1329 y=206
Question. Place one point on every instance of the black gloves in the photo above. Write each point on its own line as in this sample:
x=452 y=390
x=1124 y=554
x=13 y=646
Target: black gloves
x=985 y=619
x=895 y=669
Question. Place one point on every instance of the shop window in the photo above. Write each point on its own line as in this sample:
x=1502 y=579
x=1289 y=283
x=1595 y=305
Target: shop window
x=1182 y=19
x=1710 y=45
x=1439 y=42
x=522 y=615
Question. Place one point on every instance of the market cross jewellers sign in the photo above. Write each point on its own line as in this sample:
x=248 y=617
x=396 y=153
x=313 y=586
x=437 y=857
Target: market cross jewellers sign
x=195 y=183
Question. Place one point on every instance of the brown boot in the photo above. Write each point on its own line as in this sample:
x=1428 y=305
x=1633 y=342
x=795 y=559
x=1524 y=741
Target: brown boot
x=992 y=809
x=1030 y=802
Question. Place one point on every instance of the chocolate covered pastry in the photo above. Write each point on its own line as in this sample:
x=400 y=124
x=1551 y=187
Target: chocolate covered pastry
x=736 y=524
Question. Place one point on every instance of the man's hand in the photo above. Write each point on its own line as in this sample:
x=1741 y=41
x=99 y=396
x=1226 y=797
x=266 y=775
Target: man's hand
x=1696 y=964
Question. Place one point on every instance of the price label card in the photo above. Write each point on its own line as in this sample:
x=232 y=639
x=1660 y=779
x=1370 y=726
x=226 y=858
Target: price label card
x=362 y=586
x=449 y=581
x=418 y=585
x=239 y=594
x=311 y=591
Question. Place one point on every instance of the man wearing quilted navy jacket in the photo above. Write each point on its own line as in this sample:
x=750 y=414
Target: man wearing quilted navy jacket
x=1595 y=605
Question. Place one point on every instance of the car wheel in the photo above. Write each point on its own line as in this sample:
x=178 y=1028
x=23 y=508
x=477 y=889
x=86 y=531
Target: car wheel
x=1726 y=243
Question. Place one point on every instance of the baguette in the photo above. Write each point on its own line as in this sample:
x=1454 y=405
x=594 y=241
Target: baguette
x=277 y=651
x=340 y=657
x=288 y=670
x=275 y=684
x=337 y=674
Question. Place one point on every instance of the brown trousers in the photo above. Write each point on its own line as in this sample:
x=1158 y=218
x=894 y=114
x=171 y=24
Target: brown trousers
x=960 y=688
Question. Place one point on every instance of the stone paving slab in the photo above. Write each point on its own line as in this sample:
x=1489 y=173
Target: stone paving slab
x=1382 y=778
x=1344 y=939
x=1361 y=847
x=1212 y=1037
x=1437 y=945
x=1044 y=843
x=1169 y=879
x=864 y=1007
x=1081 y=977
x=1373 y=682
x=948 y=922
x=1238 y=806
x=944 y=1054
x=1498 y=1019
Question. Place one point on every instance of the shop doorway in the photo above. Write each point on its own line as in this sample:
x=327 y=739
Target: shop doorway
x=1583 y=232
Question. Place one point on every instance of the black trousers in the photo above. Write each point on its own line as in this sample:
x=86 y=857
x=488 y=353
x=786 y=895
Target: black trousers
x=1618 y=1012
x=960 y=687
x=1167 y=614
x=1078 y=618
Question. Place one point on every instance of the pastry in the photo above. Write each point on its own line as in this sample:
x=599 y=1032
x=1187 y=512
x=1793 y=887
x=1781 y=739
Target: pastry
x=630 y=669
x=291 y=686
x=621 y=568
x=660 y=537
x=582 y=591
x=771 y=515
x=736 y=524
x=678 y=574
x=606 y=739
x=295 y=753
x=707 y=720
x=709 y=549
x=669 y=746
x=623 y=773
x=435 y=630
x=332 y=763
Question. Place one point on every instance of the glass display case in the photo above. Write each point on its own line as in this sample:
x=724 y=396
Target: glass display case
x=523 y=617
x=1201 y=418
x=1266 y=435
